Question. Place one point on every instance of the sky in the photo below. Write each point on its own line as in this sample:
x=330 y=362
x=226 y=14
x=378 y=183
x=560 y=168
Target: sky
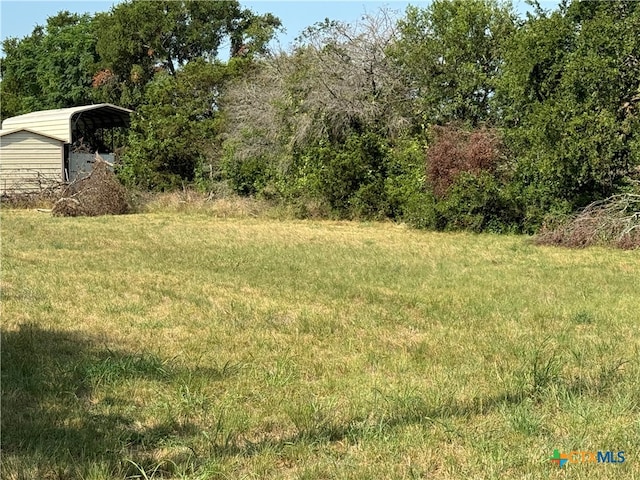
x=19 y=17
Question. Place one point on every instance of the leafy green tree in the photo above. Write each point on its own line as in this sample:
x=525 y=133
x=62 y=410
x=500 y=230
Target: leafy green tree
x=570 y=97
x=160 y=58
x=51 y=68
x=173 y=132
x=535 y=56
x=19 y=89
x=138 y=38
x=450 y=54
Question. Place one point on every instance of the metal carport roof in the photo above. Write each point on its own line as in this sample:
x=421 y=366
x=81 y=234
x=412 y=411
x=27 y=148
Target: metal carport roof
x=60 y=122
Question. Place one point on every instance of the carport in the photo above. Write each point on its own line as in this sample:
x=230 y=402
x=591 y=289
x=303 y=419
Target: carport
x=82 y=130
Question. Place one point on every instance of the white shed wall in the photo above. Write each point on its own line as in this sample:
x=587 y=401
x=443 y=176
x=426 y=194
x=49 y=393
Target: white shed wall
x=29 y=162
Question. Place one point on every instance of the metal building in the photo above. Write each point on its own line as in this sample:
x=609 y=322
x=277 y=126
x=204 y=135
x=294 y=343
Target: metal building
x=48 y=147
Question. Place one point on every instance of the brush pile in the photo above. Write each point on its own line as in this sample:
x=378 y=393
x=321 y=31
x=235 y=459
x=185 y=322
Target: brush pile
x=99 y=193
x=614 y=222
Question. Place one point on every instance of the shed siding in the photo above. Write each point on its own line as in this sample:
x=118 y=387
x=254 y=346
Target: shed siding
x=29 y=162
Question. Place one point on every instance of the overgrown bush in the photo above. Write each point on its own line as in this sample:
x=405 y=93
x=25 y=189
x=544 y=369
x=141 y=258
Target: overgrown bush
x=406 y=191
x=346 y=178
x=455 y=150
x=246 y=177
x=464 y=172
x=352 y=179
x=475 y=202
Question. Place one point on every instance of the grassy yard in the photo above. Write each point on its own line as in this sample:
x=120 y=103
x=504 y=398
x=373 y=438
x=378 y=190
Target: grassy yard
x=187 y=346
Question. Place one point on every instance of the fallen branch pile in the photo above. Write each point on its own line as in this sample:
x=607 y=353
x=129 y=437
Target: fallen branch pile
x=99 y=193
x=614 y=221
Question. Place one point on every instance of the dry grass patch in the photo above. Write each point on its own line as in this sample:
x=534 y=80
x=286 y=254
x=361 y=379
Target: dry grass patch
x=190 y=201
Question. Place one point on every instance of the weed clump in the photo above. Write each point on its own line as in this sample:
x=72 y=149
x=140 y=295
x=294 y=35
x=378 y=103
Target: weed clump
x=614 y=221
x=44 y=198
x=99 y=193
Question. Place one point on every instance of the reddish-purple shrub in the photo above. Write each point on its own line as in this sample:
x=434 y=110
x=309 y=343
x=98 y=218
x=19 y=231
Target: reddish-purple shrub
x=454 y=150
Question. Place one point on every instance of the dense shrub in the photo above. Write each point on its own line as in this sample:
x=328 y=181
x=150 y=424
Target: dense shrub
x=405 y=186
x=466 y=172
x=352 y=178
x=454 y=150
x=246 y=177
x=477 y=203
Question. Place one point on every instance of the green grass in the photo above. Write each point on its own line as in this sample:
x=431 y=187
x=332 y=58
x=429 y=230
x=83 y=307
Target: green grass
x=186 y=346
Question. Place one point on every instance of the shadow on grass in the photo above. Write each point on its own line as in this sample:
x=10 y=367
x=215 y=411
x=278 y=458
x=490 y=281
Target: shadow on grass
x=55 y=426
x=51 y=425
x=397 y=413
x=405 y=409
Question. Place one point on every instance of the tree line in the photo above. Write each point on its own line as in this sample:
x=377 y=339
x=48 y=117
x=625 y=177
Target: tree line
x=458 y=115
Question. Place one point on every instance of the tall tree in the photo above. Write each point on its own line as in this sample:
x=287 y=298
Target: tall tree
x=570 y=95
x=174 y=131
x=161 y=59
x=451 y=53
x=139 y=37
x=51 y=68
